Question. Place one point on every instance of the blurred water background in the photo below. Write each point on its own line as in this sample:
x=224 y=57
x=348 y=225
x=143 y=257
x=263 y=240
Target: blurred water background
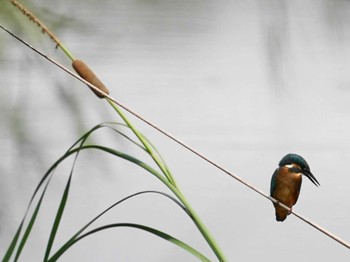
x=243 y=82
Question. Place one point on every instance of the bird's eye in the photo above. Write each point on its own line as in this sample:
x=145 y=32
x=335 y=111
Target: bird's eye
x=295 y=169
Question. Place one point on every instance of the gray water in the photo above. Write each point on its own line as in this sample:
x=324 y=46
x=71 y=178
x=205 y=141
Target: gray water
x=243 y=82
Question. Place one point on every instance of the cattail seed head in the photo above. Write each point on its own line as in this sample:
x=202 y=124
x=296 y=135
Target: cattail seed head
x=86 y=73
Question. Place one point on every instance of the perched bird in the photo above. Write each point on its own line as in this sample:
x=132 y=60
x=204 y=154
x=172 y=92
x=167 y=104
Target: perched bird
x=286 y=182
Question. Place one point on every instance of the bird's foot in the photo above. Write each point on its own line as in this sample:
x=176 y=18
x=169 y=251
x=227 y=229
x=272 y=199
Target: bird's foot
x=276 y=202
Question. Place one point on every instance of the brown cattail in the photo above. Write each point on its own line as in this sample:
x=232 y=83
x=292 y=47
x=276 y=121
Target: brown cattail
x=86 y=73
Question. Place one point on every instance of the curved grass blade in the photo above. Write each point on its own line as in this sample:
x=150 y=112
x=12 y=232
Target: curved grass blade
x=47 y=175
x=151 y=146
x=137 y=162
x=166 y=168
x=12 y=246
x=109 y=125
x=195 y=218
x=15 y=239
x=70 y=242
x=62 y=205
x=30 y=224
x=145 y=143
x=64 y=198
x=126 y=157
x=151 y=230
x=57 y=219
x=71 y=151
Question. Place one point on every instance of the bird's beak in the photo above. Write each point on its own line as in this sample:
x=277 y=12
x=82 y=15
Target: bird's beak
x=311 y=177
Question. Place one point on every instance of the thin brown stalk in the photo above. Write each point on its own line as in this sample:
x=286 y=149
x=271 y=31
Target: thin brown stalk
x=35 y=20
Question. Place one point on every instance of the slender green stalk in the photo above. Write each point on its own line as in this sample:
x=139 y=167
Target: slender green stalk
x=145 y=143
x=200 y=225
x=66 y=51
x=174 y=188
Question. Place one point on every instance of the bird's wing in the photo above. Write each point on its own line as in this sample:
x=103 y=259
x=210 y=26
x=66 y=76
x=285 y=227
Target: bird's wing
x=273 y=182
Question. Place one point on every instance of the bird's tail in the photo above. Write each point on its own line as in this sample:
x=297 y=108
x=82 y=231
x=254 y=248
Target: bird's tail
x=281 y=213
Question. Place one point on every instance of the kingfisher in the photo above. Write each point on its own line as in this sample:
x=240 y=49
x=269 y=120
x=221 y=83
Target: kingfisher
x=286 y=182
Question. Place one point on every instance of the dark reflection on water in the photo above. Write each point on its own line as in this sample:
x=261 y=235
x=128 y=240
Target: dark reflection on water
x=337 y=19
x=243 y=81
x=275 y=30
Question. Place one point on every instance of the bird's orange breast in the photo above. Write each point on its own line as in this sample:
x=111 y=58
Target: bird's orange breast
x=287 y=190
